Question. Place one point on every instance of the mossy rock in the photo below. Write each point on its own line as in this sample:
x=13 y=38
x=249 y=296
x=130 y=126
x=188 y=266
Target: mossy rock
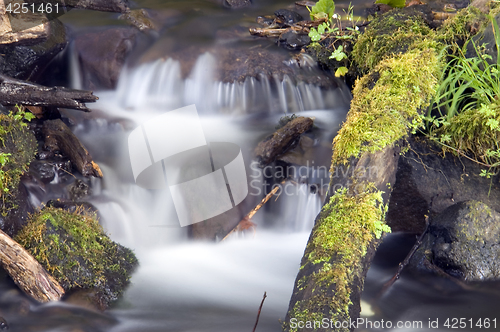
x=392 y=33
x=463 y=241
x=465 y=24
x=75 y=250
x=18 y=147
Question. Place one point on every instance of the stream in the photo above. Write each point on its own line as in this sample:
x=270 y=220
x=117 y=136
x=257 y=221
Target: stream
x=199 y=285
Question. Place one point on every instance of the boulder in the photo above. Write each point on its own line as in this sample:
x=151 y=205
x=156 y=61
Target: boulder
x=428 y=183
x=102 y=54
x=74 y=249
x=463 y=242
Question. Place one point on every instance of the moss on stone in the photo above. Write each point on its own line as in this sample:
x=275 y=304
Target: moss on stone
x=462 y=26
x=18 y=146
x=339 y=241
x=387 y=102
x=390 y=34
x=75 y=250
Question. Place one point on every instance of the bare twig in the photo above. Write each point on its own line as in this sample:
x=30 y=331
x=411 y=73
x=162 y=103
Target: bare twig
x=406 y=261
x=243 y=224
x=258 y=314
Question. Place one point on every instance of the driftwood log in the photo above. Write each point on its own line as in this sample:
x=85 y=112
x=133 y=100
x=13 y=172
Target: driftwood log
x=58 y=137
x=17 y=92
x=282 y=139
x=27 y=273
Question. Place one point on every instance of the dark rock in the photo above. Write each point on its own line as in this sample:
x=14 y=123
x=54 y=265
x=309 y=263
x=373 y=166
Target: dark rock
x=42 y=155
x=43 y=170
x=28 y=61
x=102 y=55
x=236 y=4
x=427 y=184
x=487 y=37
x=78 y=190
x=3 y=324
x=463 y=242
x=288 y=16
x=293 y=41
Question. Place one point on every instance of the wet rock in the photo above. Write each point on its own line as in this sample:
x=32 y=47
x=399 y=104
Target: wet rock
x=78 y=190
x=288 y=16
x=236 y=4
x=77 y=252
x=293 y=40
x=43 y=170
x=463 y=242
x=102 y=55
x=3 y=324
x=140 y=19
x=428 y=183
x=29 y=61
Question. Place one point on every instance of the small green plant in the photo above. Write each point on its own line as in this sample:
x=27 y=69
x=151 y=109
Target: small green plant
x=325 y=10
x=465 y=116
x=393 y=3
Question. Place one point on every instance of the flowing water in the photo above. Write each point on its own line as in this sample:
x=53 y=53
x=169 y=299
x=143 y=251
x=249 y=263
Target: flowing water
x=187 y=285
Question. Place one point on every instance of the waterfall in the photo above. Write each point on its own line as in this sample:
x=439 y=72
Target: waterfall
x=160 y=84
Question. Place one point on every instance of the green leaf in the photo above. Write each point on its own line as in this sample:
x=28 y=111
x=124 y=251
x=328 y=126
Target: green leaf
x=338 y=54
x=393 y=3
x=341 y=71
x=314 y=35
x=323 y=9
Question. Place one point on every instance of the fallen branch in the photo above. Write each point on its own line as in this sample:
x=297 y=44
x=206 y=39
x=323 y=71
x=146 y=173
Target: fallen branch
x=244 y=223
x=406 y=261
x=258 y=314
x=27 y=273
x=17 y=92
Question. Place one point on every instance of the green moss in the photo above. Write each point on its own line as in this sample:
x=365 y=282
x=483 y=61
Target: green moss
x=390 y=34
x=462 y=26
x=340 y=239
x=75 y=250
x=387 y=102
x=18 y=145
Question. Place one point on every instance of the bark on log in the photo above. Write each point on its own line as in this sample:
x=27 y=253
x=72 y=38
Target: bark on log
x=58 y=137
x=278 y=143
x=27 y=273
x=17 y=92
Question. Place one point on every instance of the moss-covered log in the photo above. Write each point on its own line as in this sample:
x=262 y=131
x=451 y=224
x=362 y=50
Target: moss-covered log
x=385 y=107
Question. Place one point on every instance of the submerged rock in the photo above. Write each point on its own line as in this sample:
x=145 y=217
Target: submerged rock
x=76 y=251
x=463 y=242
x=237 y=3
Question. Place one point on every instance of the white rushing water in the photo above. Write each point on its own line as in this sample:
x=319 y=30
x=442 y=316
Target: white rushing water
x=187 y=285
